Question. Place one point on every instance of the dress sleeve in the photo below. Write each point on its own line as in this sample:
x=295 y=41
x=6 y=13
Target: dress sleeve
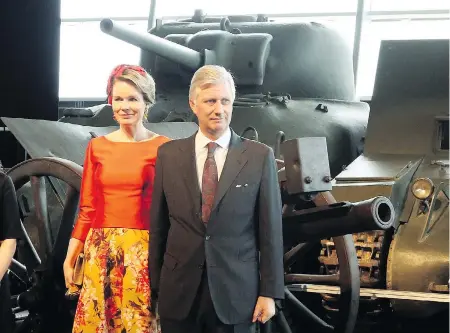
x=87 y=195
x=10 y=211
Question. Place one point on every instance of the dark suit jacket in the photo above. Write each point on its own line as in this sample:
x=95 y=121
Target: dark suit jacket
x=241 y=245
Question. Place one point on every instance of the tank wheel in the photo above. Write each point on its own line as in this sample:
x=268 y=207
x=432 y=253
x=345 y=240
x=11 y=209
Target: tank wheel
x=347 y=280
x=348 y=299
x=47 y=193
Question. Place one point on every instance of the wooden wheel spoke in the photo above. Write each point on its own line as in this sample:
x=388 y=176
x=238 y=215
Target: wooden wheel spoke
x=297 y=251
x=333 y=279
x=319 y=323
x=39 y=194
x=65 y=229
x=26 y=252
x=19 y=270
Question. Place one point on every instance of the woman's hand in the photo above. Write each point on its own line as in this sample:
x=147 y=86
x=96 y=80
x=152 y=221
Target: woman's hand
x=74 y=249
x=68 y=274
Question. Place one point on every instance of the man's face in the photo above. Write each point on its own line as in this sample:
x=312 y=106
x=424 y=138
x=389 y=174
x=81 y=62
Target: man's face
x=213 y=106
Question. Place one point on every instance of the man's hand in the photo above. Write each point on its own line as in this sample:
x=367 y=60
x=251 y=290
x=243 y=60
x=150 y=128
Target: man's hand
x=154 y=301
x=264 y=309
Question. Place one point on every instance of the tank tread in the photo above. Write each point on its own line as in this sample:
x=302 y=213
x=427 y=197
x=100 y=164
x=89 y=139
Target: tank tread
x=368 y=250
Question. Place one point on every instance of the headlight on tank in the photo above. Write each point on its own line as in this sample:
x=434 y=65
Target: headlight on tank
x=422 y=188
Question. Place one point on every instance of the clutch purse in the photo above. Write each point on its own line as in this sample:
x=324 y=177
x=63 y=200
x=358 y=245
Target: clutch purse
x=78 y=272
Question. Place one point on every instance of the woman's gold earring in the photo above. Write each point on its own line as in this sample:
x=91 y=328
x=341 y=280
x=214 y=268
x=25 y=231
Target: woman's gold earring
x=147 y=108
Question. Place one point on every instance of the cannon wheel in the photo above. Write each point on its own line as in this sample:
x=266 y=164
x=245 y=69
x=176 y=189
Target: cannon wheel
x=348 y=280
x=40 y=254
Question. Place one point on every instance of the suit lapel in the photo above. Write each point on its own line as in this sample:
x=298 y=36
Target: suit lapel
x=189 y=172
x=234 y=162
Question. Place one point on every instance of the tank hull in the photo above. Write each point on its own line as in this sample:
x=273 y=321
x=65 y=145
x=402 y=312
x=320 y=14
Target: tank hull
x=343 y=124
x=414 y=256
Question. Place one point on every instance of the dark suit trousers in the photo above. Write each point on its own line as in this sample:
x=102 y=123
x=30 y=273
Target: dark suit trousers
x=202 y=317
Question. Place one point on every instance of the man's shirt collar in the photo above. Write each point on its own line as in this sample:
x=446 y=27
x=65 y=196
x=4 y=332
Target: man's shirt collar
x=224 y=141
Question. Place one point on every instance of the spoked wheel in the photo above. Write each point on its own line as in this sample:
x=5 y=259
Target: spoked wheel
x=294 y=315
x=47 y=193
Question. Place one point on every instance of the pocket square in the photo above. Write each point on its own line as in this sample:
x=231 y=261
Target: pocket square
x=239 y=185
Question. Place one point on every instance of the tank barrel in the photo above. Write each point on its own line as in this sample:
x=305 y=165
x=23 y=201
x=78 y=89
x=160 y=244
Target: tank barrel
x=160 y=46
x=338 y=219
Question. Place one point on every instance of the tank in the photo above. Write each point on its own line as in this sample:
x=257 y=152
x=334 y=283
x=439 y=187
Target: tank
x=404 y=271
x=293 y=79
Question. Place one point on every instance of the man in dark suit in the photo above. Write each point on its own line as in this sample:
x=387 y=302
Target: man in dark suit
x=216 y=248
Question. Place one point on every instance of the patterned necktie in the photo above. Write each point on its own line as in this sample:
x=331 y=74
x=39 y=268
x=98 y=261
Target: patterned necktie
x=209 y=182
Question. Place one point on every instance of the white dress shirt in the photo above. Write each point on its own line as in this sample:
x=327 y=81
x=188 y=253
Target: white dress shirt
x=220 y=154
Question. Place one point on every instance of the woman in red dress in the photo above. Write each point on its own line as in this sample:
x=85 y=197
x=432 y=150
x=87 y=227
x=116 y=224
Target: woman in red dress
x=114 y=214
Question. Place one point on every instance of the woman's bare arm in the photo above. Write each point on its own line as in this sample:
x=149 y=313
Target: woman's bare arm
x=7 y=250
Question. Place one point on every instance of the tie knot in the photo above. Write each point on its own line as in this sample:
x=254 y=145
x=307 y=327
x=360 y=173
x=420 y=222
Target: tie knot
x=211 y=148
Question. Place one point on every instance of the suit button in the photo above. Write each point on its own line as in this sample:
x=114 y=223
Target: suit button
x=207 y=237
x=200 y=266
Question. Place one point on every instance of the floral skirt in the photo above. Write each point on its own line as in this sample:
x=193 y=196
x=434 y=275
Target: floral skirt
x=115 y=297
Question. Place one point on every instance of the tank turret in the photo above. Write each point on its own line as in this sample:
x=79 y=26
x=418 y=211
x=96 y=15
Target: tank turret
x=306 y=60
x=245 y=55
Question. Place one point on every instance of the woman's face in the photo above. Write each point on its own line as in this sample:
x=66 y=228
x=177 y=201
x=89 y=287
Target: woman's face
x=127 y=103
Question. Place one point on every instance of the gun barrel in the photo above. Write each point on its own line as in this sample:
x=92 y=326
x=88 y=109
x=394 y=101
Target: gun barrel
x=339 y=219
x=146 y=41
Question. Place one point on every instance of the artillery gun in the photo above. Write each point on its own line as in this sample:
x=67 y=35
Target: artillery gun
x=293 y=79
x=48 y=215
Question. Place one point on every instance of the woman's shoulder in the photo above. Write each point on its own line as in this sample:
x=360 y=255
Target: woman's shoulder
x=94 y=142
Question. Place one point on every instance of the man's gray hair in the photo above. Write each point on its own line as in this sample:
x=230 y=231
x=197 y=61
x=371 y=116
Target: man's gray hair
x=210 y=75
